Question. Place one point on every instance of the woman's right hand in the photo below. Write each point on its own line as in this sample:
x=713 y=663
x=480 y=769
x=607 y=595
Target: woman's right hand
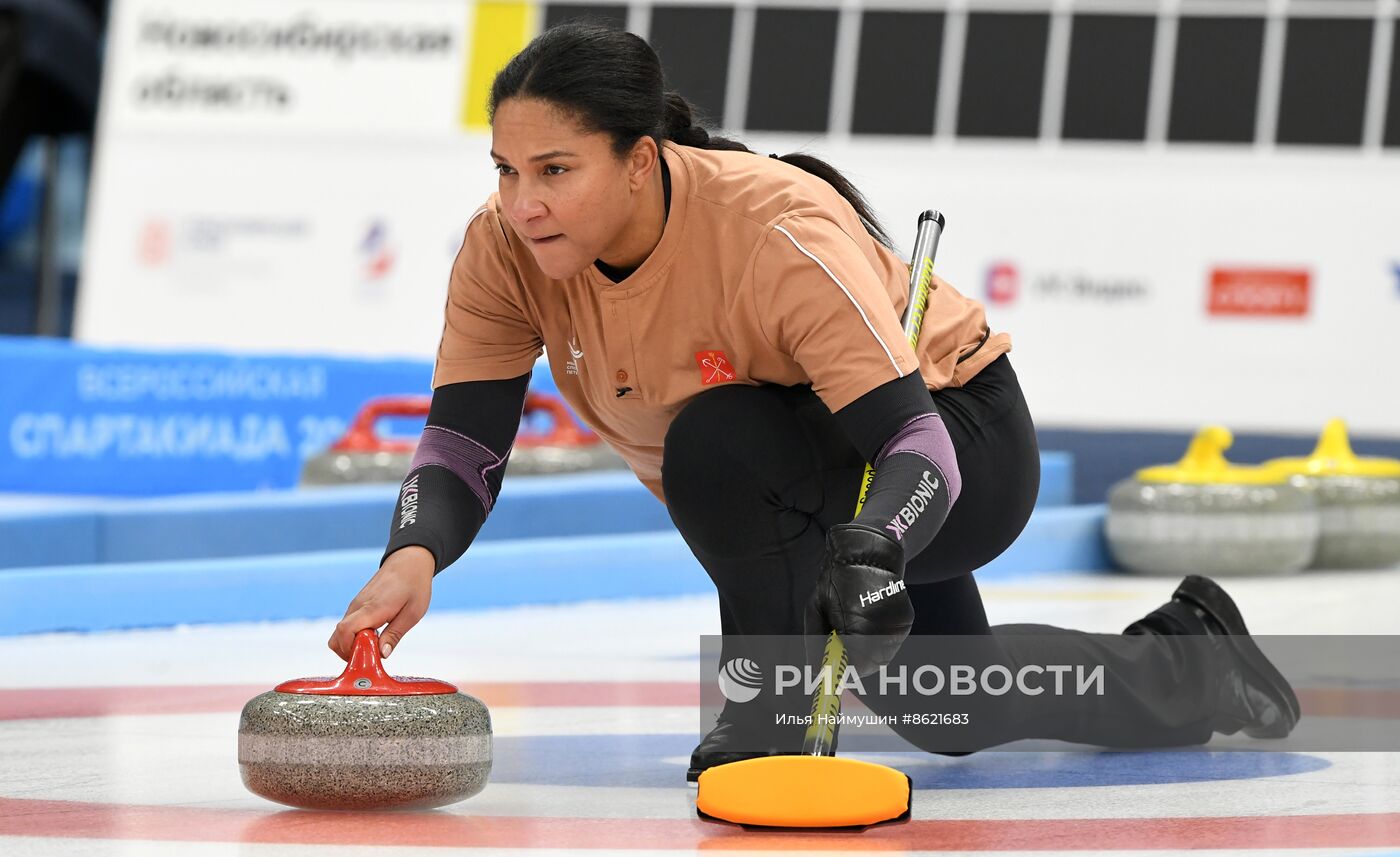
x=397 y=594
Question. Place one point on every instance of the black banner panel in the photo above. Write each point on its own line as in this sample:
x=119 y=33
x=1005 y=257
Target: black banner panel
x=1110 y=75
x=1326 y=68
x=612 y=15
x=693 y=42
x=790 y=84
x=1392 y=104
x=1215 y=89
x=897 y=73
x=1003 y=75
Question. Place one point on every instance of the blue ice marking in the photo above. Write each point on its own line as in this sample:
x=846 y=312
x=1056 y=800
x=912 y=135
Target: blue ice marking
x=636 y=761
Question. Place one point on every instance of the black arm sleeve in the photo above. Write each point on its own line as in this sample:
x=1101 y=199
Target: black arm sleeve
x=898 y=429
x=456 y=473
x=873 y=419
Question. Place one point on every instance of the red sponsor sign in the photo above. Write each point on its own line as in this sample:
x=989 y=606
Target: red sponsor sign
x=1260 y=291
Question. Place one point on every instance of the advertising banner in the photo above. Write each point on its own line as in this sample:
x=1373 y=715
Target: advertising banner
x=107 y=422
x=281 y=177
x=1166 y=290
x=272 y=68
x=295 y=177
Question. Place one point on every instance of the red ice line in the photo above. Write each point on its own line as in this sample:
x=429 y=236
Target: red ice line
x=21 y=817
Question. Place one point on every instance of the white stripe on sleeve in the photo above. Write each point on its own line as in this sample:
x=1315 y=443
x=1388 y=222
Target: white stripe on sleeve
x=849 y=296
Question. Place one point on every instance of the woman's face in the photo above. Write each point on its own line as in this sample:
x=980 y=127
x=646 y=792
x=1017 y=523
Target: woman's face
x=561 y=187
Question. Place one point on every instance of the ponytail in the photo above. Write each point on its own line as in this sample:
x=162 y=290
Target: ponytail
x=679 y=127
x=612 y=81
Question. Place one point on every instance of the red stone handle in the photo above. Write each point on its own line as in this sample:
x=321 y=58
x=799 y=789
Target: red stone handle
x=362 y=435
x=364 y=675
x=564 y=432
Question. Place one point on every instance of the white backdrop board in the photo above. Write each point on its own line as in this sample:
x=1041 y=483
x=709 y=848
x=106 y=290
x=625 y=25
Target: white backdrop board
x=280 y=176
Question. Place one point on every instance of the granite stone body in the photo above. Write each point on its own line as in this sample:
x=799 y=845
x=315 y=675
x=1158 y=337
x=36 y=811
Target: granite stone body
x=365 y=752
x=542 y=460
x=356 y=468
x=1213 y=529
x=353 y=468
x=1360 y=520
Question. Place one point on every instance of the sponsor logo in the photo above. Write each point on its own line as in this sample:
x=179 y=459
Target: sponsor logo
x=300 y=35
x=867 y=598
x=173 y=91
x=936 y=680
x=1281 y=292
x=714 y=367
x=923 y=495
x=408 y=503
x=153 y=244
x=575 y=355
x=206 y=252
x=269 y=41
x=157 y=437
x=1089 y=288
x=218 y=233
x=1004 y=286
x=1003 y=283
x=740 y=680
x=376 y=252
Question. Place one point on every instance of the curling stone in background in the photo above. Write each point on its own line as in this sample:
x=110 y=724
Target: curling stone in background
x=362 y=455
x=1358 y=501
x=365 y=740
x=1204 y=515
x=551 y=441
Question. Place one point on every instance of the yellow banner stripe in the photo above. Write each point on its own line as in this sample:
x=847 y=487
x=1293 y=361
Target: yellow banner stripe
x=500 y=31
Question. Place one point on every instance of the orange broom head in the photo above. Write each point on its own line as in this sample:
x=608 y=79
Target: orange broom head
x=803 y=791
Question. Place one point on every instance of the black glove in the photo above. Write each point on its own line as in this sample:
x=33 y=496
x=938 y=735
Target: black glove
x=860 y=594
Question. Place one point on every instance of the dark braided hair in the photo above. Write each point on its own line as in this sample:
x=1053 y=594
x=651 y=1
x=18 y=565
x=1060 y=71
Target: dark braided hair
x=612 y=81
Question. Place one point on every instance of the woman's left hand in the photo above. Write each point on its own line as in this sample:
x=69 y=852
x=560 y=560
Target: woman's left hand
x=860 y=594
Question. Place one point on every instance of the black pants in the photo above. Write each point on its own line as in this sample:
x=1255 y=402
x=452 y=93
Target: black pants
x=754 y=476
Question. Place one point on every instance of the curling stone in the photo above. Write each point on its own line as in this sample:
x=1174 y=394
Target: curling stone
x=1204 y=515
x=552 y=441
x=365 y=740
x=1358 y=500
x=362 y=455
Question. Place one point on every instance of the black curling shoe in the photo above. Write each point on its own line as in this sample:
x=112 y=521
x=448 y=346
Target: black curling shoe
x=734 y=740
x=1255 y=697
x=718 y=748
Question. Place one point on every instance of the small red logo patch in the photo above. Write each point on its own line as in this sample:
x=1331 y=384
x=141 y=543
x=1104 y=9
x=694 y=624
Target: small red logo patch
x=714 y=367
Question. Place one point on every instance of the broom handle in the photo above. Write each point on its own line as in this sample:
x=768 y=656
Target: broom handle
x=820 y=738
